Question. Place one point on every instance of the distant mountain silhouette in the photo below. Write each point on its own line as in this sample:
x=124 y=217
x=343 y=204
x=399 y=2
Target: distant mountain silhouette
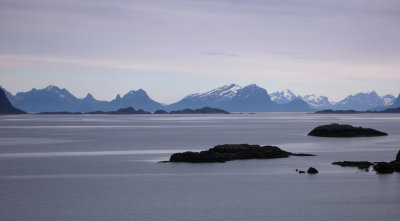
x=6 y=107
x=233 y=98
x=54 y=99
x=50 y=98
x=360 y=102
x=138 y=99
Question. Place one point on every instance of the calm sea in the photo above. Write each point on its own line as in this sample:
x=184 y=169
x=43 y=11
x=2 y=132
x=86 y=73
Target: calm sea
x=103 y=167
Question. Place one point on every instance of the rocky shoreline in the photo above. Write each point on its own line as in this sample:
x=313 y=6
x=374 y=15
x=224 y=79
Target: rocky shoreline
x=379 y=167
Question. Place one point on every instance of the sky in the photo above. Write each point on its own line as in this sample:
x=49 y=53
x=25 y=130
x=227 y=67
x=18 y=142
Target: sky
x=175 y=48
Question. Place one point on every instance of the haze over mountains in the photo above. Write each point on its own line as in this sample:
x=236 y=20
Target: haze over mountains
x=233 y=98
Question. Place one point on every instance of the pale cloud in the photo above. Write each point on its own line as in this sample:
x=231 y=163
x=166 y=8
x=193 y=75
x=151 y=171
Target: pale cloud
x=246 y=41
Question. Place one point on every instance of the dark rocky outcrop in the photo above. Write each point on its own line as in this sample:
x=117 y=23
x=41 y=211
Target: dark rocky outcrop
x=388 y=110
x=160 y=112
x=128 y=110
x=383 y=167
x=228 y=152
x=6 y=107
x=330 y=111
x=344 y=130
x=312 y=170
x=131 y=110
x=60 y=113
x=359 y=164
x=204 y=110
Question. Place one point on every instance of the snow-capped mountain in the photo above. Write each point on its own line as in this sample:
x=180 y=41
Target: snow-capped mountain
x=396 y=103
x=251 y=98
x=282 y=97
x=317 y=102
x=221 y=94
x=388 y=100
x=360 y=101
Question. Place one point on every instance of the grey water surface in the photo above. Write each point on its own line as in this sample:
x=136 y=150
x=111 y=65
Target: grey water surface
x=104 y=167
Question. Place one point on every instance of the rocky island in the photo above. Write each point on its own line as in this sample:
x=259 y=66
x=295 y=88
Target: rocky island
x=228 y=152
x=204 y=110
x=388 y=110
x=131 y=110
x=344 y=130
x=128 y=110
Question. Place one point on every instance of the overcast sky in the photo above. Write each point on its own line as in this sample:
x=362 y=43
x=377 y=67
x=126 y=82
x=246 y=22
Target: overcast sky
x=175 y=48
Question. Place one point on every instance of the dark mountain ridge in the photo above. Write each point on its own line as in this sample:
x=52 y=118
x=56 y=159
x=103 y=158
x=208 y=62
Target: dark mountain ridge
x=6 y=107
x=54 y=99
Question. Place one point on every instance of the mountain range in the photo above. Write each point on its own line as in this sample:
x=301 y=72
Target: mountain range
x=233 y=98
x=358 y=102
x=54 y=99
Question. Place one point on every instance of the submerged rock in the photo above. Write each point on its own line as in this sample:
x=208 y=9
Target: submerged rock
x=344 y=130
x=312 y=170
x=228 y=152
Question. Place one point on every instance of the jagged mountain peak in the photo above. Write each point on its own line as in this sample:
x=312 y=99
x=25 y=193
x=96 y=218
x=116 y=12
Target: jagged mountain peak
x=396 y=103
x=137 y=93
x=138 y=99
x=52 y=88
x=360 y=101
x=89 y=96
x=284 y=96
